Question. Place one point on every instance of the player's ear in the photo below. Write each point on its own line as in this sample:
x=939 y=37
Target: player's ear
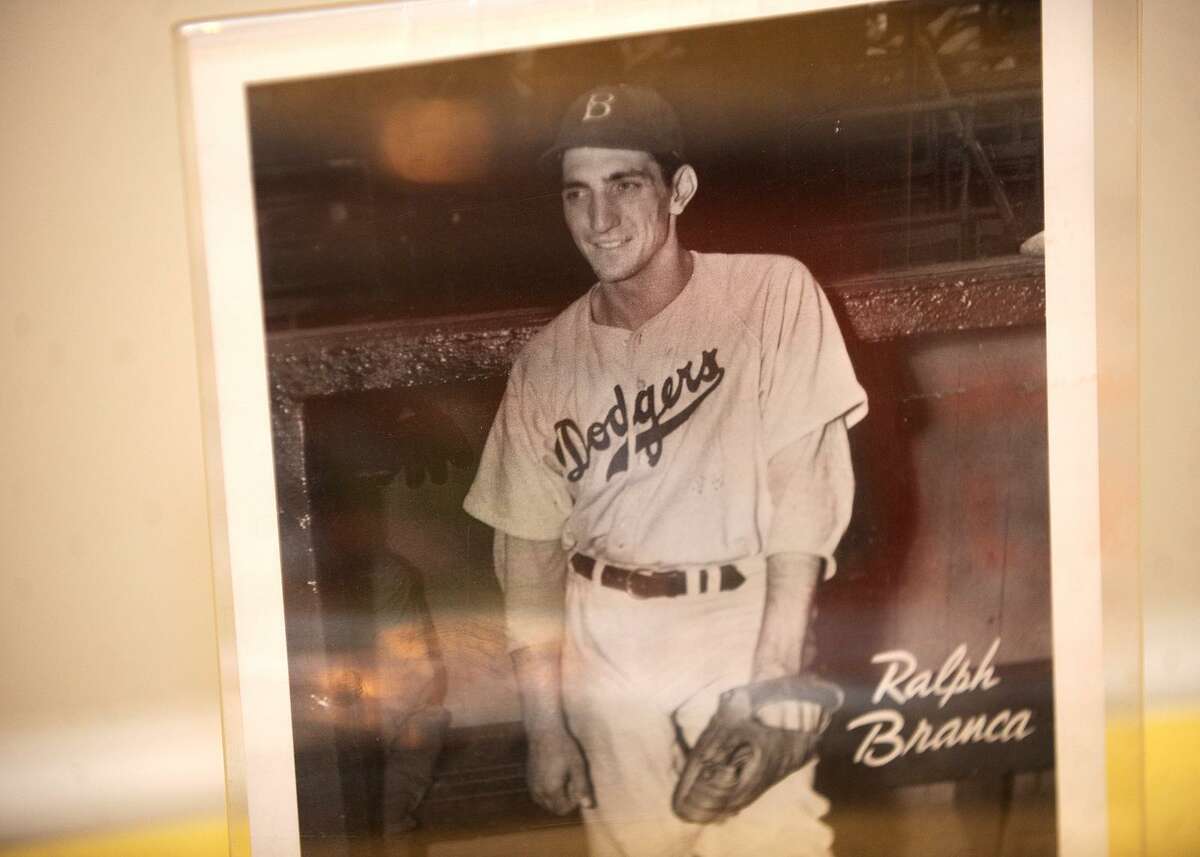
x=683 y=188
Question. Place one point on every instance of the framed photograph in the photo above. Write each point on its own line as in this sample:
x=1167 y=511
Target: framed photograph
x=584 y=383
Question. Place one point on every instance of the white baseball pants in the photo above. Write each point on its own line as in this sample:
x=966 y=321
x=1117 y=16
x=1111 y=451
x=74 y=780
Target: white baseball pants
x=638 y=676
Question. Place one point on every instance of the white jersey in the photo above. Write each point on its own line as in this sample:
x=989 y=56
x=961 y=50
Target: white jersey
x=651 y=447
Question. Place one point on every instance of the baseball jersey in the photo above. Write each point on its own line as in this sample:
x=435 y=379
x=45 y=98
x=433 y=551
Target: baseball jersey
x=653 y=447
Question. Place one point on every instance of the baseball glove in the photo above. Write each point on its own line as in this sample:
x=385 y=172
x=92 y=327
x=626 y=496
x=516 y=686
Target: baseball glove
x=738 y=757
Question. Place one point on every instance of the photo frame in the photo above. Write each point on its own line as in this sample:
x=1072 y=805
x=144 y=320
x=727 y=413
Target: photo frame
x=247 y=386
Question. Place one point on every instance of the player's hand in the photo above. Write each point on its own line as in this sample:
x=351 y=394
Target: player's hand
x=787 y=713
x=790 y=714
x=557 y=772
x=791 y=583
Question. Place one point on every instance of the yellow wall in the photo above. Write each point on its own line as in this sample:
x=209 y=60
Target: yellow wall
x=1117 y=224
x=109 y=716
x=110 y=713
x=1170 y=422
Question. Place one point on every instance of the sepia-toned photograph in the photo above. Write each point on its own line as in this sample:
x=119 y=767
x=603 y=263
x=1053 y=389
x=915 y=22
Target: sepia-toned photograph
x=659 y=432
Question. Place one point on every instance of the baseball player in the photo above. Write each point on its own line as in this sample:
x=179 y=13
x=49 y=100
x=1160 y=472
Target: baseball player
x=668 y=475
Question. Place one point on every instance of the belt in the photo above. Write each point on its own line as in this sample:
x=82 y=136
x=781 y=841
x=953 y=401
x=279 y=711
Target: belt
x=649 y=583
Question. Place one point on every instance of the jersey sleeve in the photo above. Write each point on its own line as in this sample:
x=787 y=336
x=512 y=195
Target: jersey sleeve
x=811 y=481
x=517 y=489
x=806 y=379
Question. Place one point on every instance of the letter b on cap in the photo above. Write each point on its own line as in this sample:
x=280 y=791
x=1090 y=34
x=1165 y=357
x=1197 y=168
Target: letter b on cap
x=599 y=105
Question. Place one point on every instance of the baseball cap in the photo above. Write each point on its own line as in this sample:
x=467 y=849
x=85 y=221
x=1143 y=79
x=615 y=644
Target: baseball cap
x=619 y=116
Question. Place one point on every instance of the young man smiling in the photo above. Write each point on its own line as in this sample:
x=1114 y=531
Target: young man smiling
x=668 y=475
x=621 y=210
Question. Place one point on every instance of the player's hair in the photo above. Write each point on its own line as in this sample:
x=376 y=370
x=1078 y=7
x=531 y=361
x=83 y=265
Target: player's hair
x=669 y=163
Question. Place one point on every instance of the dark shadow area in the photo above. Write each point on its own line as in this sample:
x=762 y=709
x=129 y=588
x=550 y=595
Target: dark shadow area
x=857 y=140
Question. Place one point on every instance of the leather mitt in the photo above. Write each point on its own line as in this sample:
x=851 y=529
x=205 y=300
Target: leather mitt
x=738 y=757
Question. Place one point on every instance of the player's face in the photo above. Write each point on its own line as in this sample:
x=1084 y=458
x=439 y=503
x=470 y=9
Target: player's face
x=618 y=210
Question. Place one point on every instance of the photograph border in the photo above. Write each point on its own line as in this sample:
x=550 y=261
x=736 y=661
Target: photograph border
x=218 y=60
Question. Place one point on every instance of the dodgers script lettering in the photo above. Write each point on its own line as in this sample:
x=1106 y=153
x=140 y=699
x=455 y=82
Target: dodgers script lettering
x=654 y=418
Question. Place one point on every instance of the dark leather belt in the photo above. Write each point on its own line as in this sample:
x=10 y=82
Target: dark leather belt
x=649 y=583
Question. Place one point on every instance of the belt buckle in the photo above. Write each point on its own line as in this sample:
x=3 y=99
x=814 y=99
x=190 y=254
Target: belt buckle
x=631 y=587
